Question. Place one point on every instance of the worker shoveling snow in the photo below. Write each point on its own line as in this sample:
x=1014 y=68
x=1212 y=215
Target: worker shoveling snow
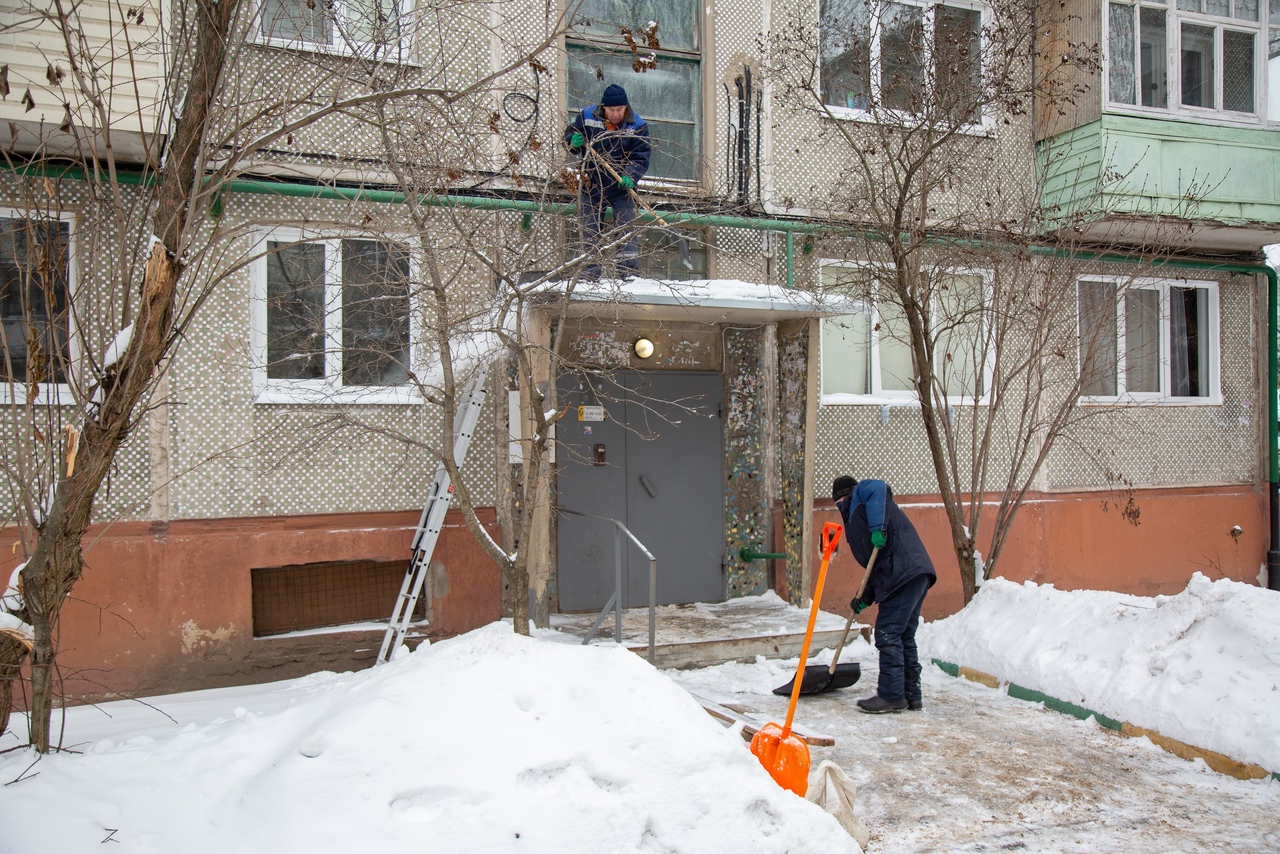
x=488 y=742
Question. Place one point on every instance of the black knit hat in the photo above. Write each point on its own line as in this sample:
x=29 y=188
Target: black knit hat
x=614 y=96
x=842 y=486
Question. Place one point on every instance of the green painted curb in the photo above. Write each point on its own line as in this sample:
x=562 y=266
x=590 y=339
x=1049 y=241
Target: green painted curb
x=1080 y=712
x=1020 y=693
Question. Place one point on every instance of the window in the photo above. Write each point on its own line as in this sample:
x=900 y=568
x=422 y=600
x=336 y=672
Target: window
x=867 y=354
x=919 y=58
x=1189 y=56
x=356 y=26
x=1149 y=340
x=666 y=94
x=332 y=320
x=34 y=280
x=666 y=254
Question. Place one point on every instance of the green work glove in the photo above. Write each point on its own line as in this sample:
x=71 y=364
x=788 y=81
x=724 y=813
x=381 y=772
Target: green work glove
x=878 y=539
x=859 y=606
x=577 y=140
x=627 y=182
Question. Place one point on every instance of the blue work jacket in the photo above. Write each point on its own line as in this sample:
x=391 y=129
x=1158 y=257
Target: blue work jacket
x=626 y=149
x=870 y=507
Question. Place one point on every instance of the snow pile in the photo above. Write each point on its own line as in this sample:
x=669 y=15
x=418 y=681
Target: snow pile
x=1202 y=667
x=488 y=742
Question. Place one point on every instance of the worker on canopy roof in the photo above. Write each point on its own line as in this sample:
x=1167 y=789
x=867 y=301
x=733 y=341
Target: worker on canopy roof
x=614 y=142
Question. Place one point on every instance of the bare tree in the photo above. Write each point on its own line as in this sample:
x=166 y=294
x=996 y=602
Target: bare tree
x=966 y=281
x=143 y=159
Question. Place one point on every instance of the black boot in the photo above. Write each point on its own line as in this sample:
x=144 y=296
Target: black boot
x=877 y=705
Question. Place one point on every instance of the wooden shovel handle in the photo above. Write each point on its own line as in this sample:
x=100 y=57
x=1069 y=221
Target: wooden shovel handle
x=835 y=659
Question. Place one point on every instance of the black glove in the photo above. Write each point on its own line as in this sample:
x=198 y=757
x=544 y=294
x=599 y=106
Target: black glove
x=859 y=606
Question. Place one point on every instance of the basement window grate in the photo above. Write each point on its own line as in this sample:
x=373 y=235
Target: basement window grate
x=318 y=595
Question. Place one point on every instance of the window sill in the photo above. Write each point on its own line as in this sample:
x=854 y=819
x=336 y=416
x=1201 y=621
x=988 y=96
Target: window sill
x=887 y=404
x=850 y=114
x=364 y=51
x=1151 y=401
x=1201 y=117
x=49 y=395
x=316 y=396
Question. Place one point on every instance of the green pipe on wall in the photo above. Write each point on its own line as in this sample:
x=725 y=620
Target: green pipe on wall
x=789 y=228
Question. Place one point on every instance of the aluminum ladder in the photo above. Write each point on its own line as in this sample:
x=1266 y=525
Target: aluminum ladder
x=432 y=520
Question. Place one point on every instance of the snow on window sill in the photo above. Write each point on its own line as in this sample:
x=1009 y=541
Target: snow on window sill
x=1203 y=117
x=13 y=394
x=315 y=395
x=1130 y=400
x=986 y=127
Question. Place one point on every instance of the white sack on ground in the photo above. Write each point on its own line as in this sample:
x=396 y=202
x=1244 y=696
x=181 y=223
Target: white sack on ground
x=831 y=789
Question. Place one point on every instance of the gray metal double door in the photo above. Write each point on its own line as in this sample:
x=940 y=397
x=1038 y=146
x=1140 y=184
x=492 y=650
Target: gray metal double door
x=655 y=462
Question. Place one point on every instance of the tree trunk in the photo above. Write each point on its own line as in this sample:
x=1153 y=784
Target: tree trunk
x=57 y=562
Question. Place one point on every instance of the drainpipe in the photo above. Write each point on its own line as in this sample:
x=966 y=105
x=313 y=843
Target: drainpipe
x=790 y=228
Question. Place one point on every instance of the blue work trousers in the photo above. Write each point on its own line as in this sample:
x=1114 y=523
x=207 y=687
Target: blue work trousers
x=896 y=639
x=594 y=234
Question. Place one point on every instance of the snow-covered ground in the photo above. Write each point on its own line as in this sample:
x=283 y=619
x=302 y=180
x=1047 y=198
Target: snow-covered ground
x=1202 y=667
x=491 y=743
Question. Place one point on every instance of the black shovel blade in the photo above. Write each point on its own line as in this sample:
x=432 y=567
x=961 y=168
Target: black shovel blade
x=818 y=678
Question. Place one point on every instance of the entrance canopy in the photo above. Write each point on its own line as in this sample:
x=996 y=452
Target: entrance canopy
x=701 y=300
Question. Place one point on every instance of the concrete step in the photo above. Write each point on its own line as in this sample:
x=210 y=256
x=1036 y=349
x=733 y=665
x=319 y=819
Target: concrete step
x=706 y=653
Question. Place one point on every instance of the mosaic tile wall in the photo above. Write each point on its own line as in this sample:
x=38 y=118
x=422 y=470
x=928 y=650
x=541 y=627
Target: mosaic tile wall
x=793 y=375
x=809 y=155
x=746 y=521
x=126 y=493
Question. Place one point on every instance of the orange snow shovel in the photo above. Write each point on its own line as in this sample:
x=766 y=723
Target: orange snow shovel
x=784 y=755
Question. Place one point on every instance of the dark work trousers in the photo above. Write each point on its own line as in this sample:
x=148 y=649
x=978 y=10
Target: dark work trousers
x=594 y=232
x=896 y=639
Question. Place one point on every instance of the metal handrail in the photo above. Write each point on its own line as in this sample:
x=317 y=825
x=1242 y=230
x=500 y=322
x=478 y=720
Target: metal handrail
x=615 y=601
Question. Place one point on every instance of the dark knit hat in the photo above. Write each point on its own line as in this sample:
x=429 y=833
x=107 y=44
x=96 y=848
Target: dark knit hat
x=614 y=96
x=842 y=486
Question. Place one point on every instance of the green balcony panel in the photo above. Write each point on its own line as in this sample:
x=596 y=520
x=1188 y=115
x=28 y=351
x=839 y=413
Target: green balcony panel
x=1121 y=175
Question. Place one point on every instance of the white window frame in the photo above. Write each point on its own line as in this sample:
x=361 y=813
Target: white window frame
x=50 y=394
x=987 y=121
x=878 y=395
x=1159 y=398
x=329 y=388
x=399 y=51
x=1174 y=18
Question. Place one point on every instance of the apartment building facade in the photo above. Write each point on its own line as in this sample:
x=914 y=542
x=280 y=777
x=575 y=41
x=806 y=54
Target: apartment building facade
x=258 y=522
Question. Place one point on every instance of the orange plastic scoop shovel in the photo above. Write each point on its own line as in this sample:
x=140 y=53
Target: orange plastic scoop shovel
x=784 y=755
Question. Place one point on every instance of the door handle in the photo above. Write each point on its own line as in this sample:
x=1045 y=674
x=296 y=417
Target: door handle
x=648 y=487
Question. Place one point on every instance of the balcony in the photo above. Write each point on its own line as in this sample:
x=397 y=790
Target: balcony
x=123 y=50
x=1166 y=184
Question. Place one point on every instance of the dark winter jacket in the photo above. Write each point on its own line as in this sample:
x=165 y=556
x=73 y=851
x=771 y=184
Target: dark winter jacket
x=871 y=508
x=625 y=149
